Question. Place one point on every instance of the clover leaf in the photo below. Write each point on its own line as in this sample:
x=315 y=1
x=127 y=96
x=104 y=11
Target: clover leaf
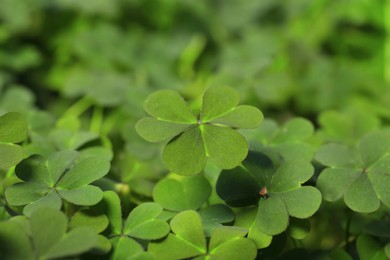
x=347 y=126
x=358 y=174
x=13 y=129
x=368 y=248
x=182 y=193
x=94 y=218
x=214 y=216
x=278 y=193
x=246 y=218
x=286 y=142
x=188 y=240
x=194 y=138
x=44 y=236
x=142 y=223
x=65 y=175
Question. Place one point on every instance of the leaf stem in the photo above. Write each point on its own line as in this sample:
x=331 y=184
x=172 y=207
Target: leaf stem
x=97 y=120
x=79 y=107
x=10 y=172
x=347 y=233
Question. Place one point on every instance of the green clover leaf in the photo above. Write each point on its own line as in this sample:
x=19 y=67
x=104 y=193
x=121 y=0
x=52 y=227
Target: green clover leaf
x=247 y=218
x=64 y=175
x=347 y=126
x=44 y=236
x=358 y=174
x=13 y=129
x=369 y=248
x=286 y=143
x=194 y=138
x=142 y=223
x=188 y=240
x=183 y=193
x=278 y=193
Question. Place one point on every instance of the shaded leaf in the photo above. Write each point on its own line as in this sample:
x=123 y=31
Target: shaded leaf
x=23 y=193
x=51 y=200
x=154 y=130
x=186 y=193
x=216 y=104
x=48 y=226
x=14 y=242
x=302 y=202
x=75 y=242
x=142 y=222
x=86 y=195
x=246 y=217
x=186 y=153
x=225 y=147
x=10 y=155
x=241 y=117
x=125 y=248
x=87 y=218
x=360 y=196
x=299 y=228
x=333 y=182
x=368 y=248
x=272 y=216
x=169 y=106
x=84 y=172
x=13 y=128
x=188 y=241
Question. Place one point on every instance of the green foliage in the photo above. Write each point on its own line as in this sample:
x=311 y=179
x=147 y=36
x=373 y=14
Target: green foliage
x=119 y=138
x=44 y=236
x=188 y=240
x=13 y=129
x=192 y=138
x=182 y=194
x=284 y=195
x=64 y=175
x=358 y=174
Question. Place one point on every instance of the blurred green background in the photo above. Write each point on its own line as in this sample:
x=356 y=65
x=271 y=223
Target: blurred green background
x=297 y=57
x=79 y=72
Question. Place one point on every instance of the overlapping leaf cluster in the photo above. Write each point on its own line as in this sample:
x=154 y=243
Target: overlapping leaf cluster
x=65 y=175
x=284 y=195
x=193 y=138
x=13 y=129
x=79 y=71
x=358 y=174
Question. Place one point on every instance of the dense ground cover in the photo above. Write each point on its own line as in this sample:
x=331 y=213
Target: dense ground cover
x=233 y=129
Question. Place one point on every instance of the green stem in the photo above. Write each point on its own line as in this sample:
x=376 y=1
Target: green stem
x=10 y=172
x=97 y=120
x=79 y=107
x=347 y=227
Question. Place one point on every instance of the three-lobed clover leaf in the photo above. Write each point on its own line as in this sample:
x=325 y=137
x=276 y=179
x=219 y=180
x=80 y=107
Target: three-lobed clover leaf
x=43 y=236
x=188 y=240
x=13 y=129
x=194 y=138
x=286 y=143
x=142 y=223
x=278 y=193
x=361 y=175
x=65 y=175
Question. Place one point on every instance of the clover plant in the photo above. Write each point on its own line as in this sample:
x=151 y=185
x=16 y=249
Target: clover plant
x=192 y=138
x=120 y=138
x=359 y=174
x=65 y=175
